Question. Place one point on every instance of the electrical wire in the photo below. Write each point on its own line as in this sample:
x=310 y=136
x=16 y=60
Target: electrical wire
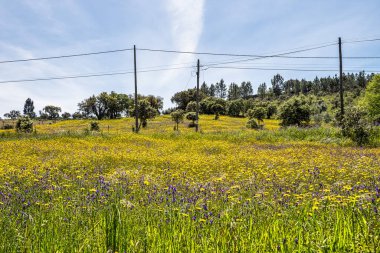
x=237 y=55
x=67 y=56
x=281 y=55
x=87 y=75
x=282 y=69
x=359 y=41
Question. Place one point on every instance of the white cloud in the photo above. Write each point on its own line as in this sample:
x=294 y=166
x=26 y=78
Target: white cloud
x=186 y=18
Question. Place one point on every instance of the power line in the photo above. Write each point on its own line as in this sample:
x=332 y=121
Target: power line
x=237 y=55
x=283 y=69
x=142 y=49
x=87 y=75
x=281 y=55
x=309 y=65
x=67 y=56
x=359 y=41
x=264 y=56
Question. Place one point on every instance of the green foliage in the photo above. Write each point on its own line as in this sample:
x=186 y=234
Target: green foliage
x=182 y=98
x=177 y=117
x=246 y=90
x=29 y=108
x=168 y=111
x=277 y=85
x=318 y=119
x=217 y=109
x=252 y=124
x=94 y=126
x=145 y=112
x=7 y=126
x=66 y=115
x=258 y=113
x=221 y=89
x=155 y=102
x=50 y=112
x=77 y=115
x=24 y=125
x=327 y=118
x=206 y=105
x=233 y=92
x=235 y=108
x=372 y=98
x=193 y=117
x=271 y=110
x=105 y=105
x=356 y=126
x=191 y=106
x=12 y=114
x=262 y=90
x=295 y=111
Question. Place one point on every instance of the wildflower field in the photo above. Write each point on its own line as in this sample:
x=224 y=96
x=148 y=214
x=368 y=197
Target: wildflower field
x=226 y=189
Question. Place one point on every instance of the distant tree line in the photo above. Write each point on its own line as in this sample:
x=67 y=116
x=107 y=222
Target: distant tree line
x=102 y=106
x=235 y=100
x=319 y=86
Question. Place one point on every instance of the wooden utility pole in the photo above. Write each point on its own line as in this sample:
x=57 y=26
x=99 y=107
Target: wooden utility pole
x=136 y=104
x=341 y=78
x=197 y=111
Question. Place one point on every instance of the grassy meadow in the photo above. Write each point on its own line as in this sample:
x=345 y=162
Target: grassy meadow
x=225 y=189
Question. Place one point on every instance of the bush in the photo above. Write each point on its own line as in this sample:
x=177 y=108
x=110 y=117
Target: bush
x=206 y=105
x=177 y=117
x=66 y=115
x=372 y=98
x=271 y=110
x=252 y=124
x=258 y=113
x=168 y=111
x=94 y=126
x=356 y=126
x=77 y=115
x=217 y=109
x=24 y=125
x=235 y=107
x=193 y=117
x=191 y=106
x=296 y=111
x=7 y=127
x=327 y=118
x=318 y=118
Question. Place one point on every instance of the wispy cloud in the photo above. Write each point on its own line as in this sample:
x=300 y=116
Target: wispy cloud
x=186 y=17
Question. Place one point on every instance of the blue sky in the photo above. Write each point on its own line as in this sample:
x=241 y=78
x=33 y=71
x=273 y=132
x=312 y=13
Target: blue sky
x=38 y=28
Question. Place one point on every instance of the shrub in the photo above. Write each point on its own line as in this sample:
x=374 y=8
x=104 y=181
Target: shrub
x=235 y=107
x=77 y=115
x=177 y=117
x=327 y=118
x=217 y=109
x=252 y=124
x=356 y=126
x=271 y=110
x=7 y=127
x=207 y=104
x=372 y=98
x=193 y=117
x=318 y=118
x=191 y=106
x=168 y=111
x=258 y=113
x=94 y=126
x=295 y=111
x=24 y=125
x=66 y=115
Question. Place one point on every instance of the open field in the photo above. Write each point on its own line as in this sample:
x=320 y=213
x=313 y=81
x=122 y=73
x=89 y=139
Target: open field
x=227 y=189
